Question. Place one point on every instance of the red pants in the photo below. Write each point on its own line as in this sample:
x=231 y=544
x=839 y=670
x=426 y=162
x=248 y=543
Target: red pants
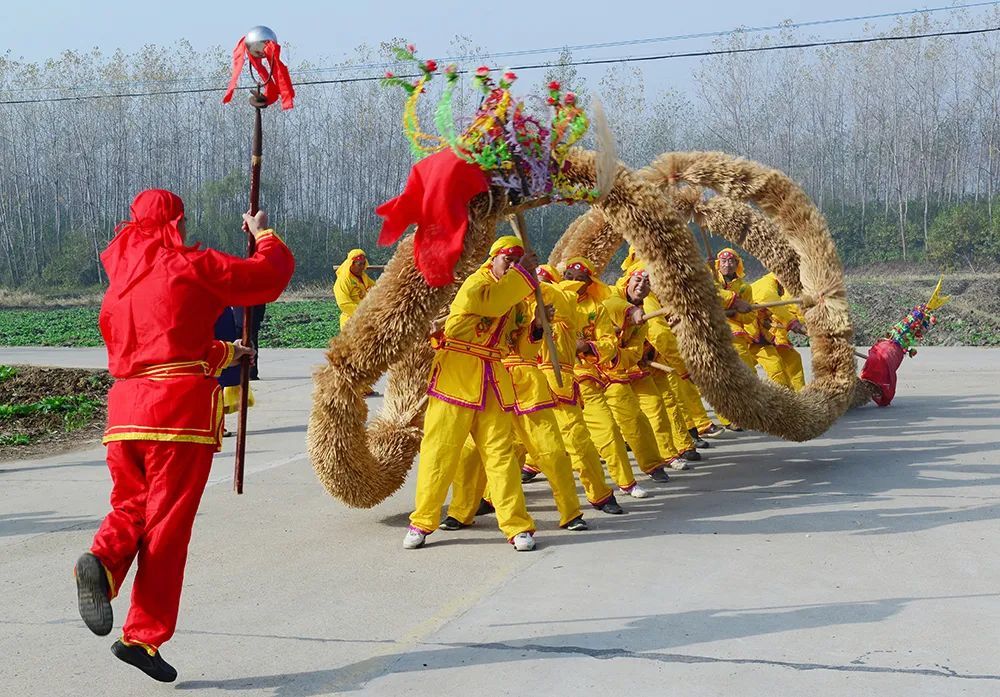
x=157 y=489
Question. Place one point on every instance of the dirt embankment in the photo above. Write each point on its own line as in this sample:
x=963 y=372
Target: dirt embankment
x=972 y=318
x=44 y=411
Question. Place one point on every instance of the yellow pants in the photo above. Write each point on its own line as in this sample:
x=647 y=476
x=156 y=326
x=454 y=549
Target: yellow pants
x=634 y=425
x=539 y=432
x=651 y=404
x=744 y=350
x=694 y=408
x=469 y=485
x=446 y=428
x=675 y=410
x=606 y=435
x=582 y=454
x=791 y=359
x=766 y=356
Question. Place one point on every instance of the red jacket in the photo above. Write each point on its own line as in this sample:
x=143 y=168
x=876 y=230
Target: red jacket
x=158 y=318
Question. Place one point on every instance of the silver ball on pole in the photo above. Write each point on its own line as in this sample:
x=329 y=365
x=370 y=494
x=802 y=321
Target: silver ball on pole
x=256 y=38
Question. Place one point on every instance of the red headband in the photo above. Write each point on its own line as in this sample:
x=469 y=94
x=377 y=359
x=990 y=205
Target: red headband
x=640 y=272
x=542 y=273
x=728 y=255
x=359 y=256
x=510 y=251
x=579 y=267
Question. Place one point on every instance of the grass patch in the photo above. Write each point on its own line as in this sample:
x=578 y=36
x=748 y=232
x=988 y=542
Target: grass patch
x=46 y=410
x=62 y=327
x=76 y=410
x=300 y=324
x=15 y=440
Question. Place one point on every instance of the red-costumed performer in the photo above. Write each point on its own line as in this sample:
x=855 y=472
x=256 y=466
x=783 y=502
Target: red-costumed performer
x=164 y=410
x=885 y=357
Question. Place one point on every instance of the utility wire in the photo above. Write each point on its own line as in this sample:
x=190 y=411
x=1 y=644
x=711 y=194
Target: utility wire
x=538 y=66
x=593 y=46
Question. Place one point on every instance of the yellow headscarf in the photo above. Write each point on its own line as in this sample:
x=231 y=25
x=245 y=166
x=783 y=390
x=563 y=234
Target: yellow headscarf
x=630 y=259
x=506 y=242
x=597 y=289
x=345 y=267
x=729 y=250
x=551 y=271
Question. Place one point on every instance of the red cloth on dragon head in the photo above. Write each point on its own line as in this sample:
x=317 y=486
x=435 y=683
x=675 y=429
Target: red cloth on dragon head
x=436 y=199
x=880 y=369
x=153 y=227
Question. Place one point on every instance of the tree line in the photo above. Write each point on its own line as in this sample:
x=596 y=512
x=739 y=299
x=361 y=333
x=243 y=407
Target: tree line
x=897 y=142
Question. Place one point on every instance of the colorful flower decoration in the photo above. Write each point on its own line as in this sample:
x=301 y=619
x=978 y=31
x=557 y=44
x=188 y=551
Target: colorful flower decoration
x=909 y=331
x=518 y=152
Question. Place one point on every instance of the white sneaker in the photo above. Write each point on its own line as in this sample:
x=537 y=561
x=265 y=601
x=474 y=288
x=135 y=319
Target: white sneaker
x=523 y=542
x=414 y=539
x=679 y=464
x=637 y=492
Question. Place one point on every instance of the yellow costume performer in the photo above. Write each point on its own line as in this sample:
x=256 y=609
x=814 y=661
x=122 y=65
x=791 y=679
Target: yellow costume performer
x=351 y=286
x=748 y=335
x=657 y=398
x=470 y=395
x=652 y=450
x=767 y=288
x=598 y=344
x=566 y=328
x=696 y=419
x=535 y=426
x=610 y=414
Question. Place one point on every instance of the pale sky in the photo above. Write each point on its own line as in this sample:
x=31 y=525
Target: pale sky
x=326 y=32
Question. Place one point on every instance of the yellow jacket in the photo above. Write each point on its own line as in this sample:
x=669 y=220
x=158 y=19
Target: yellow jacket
x=742 y=324
x=348 y=289
x=631 y=344
x=566 y=329
x=531 y=389
x=765 y=289
x=475 y=339
x=593 y=326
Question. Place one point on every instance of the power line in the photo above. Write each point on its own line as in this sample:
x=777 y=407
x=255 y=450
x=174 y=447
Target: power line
x=539 y=66
x=588 y=47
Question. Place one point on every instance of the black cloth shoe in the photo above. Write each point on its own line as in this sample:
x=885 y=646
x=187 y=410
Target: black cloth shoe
x=451 y=523
x=154 y=666
x=527 y=476
x=610 y=507
x=485 y=508
x=659 y=475
x=93 y=594
x=699 y=442
x=691 y=455
x=577 y=524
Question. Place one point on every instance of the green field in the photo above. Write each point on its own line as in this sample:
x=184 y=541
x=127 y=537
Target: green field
x=295 y=324
x=877 y=302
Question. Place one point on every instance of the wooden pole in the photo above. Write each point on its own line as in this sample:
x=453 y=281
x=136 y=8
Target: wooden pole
x=662 y=312
x=776 y=303
x=660 y=367
x=256 y=157
x=520 y=229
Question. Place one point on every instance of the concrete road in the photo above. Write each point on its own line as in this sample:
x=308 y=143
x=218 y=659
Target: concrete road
x=862 y=563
